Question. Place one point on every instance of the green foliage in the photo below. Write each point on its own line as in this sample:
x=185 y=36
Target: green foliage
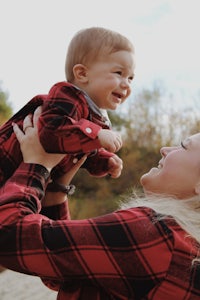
x=151 y=121
x=5 y=107
x=118 y=120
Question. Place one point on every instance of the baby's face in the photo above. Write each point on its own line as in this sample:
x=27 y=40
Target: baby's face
x=109 y=79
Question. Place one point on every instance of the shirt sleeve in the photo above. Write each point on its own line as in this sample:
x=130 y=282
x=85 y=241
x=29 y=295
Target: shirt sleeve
x=107 y=251
x=98 y=164
x=57 y=212
x=63 y=125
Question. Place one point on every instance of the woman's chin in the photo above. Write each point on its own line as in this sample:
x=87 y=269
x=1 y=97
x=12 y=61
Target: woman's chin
x=148 y=180
x=152 y=172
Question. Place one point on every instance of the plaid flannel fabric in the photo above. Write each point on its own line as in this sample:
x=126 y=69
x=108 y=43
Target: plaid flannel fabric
x=122 y=255
x=63 y=128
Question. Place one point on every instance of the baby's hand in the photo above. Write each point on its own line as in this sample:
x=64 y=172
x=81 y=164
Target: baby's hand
x=110 y=140
x=115 y=165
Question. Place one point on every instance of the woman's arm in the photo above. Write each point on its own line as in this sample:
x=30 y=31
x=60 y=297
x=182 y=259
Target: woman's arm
x=106 y=251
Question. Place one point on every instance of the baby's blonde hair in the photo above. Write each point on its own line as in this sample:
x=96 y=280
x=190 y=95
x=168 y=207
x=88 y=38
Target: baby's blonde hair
x=89 y=43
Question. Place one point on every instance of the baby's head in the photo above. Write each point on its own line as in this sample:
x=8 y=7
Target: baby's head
x=90 y=43
x=101 y=62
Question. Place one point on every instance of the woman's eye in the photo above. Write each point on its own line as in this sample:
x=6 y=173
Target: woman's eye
x=119 y=72
x=183 y=146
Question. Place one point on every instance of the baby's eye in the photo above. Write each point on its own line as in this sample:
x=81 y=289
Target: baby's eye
x=131 y=78
x=183 y=146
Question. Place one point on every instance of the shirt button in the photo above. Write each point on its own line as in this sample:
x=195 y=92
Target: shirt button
x=88 y=130
x=75 y=160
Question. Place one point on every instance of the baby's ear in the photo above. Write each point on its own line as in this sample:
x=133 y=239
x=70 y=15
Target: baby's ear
x=197 y=188
x=80 y=73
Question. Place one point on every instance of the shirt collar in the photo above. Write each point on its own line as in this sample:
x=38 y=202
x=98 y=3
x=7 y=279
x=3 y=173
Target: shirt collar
x=99 y=111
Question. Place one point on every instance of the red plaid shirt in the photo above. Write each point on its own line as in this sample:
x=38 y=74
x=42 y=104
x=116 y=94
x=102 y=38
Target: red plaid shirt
x=68 y=124
x=122 y=255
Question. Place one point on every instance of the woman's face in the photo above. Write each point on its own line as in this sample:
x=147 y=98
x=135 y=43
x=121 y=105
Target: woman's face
x=178 y=171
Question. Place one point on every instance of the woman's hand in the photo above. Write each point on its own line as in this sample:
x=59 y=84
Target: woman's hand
x=67 y=177
x=30 y=145
x=55 y=198
x=33 y=152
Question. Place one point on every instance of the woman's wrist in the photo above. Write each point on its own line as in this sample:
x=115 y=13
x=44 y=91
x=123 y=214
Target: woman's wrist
x=54 y=186
x=56 y=193
x=53 y=199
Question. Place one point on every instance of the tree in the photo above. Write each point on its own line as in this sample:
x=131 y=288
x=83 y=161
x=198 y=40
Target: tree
x=5 y=114
x=5 y=107
x=150 y=121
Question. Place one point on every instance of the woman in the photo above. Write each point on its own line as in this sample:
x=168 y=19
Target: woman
x=148 y=250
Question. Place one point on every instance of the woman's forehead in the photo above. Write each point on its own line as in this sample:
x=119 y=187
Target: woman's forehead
x=195 y=138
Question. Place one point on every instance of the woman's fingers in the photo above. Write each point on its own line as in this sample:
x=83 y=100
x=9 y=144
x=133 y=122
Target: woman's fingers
x=76 y=167
x=79 y=163
x=18 y=132
x=27 y=122
x=67 y=177
x=36 y=115
x=31 y=121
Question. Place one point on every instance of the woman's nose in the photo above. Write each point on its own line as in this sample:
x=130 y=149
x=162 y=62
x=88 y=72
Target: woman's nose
x=165 y=150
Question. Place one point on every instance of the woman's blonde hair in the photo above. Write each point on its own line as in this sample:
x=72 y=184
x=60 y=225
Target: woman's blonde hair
x=89 y=43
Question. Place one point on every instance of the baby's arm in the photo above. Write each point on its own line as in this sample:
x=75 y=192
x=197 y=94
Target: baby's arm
x=63 y=125
x=64 y=128
x=104 y=163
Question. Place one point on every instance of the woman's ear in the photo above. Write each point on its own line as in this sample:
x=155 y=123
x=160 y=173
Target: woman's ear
x=80 y=73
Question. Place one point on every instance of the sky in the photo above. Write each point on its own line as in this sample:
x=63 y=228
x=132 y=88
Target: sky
x=34 y=35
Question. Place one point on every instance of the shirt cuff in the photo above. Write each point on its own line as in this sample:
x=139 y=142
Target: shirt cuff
x=31 y=175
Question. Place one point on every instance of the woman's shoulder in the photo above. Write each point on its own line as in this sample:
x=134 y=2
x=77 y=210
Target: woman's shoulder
x=145 y=222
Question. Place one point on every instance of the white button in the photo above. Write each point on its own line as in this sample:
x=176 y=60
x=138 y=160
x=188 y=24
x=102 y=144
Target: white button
x=88 y=130
x=75 y=160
